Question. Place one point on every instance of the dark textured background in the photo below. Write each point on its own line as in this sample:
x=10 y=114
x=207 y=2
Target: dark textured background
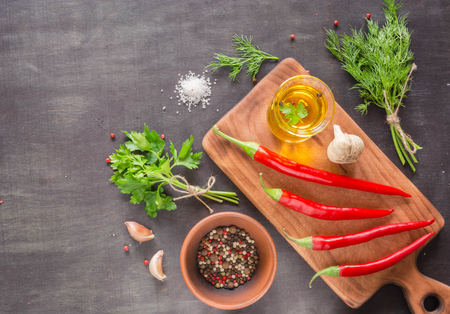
x=72 y=72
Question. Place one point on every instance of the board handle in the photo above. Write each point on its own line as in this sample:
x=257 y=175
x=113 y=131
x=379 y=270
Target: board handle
x=417 y=287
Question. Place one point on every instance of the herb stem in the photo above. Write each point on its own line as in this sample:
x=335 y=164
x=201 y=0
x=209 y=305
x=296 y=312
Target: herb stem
x=394 y=138
x=217 y=196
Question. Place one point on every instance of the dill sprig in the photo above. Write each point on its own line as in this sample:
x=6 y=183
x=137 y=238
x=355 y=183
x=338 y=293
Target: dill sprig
x=250 y=55
x=381 y=63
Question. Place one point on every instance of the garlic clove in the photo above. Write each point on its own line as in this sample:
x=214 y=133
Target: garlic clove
x=345 y=148
x=139 y=232
x=155 y=266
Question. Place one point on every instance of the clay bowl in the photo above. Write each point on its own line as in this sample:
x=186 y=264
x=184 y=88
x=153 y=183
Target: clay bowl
x=244 y=295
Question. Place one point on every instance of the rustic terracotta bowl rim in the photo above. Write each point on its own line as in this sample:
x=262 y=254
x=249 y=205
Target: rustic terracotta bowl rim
x=215 y=303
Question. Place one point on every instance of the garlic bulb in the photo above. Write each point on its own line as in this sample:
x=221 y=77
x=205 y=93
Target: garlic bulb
x=155 y=266
x=139 y=232
x=345 y=148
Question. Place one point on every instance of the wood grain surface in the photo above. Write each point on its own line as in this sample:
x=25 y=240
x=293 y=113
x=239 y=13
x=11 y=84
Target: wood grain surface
x=247 y=122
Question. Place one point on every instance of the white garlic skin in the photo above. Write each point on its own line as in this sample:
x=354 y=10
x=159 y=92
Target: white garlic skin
x=155 y=266
x=345 y=148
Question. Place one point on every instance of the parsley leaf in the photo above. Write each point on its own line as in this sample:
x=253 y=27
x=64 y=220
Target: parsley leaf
x=294 y=114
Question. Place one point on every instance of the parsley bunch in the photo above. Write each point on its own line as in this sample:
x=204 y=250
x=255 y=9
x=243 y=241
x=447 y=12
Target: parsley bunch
x=249 y=54
x=142 y=169
x=380 y=62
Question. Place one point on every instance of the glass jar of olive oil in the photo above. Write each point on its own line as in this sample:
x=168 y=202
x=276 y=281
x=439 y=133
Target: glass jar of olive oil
x=302 y=107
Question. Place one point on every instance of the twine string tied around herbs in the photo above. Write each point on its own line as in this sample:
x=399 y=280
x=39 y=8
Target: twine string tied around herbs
x=394 y=119
x=193 y=190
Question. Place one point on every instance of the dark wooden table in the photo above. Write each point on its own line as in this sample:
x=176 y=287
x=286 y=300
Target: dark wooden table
x=72 y=72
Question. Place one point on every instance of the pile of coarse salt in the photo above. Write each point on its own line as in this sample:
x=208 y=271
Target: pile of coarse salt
x=193 y=90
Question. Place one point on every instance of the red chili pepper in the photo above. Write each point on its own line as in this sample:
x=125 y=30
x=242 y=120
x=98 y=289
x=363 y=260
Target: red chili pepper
x=321 y=243
x=375 y=266
x=320 y=211
x=299 y=171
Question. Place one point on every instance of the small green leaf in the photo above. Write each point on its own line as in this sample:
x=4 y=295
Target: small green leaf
x=294 y=115
x=156 y=142
x=165 y=168
x=151 y=158
x=127 y=184
x=131 y=146
x=186 y=147
x=301 y=111
x=191 y=161
x=141 y=141
x=173 y=151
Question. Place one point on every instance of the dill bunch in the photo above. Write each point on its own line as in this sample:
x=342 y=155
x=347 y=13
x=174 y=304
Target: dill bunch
x=381 y=63
x=250 y=55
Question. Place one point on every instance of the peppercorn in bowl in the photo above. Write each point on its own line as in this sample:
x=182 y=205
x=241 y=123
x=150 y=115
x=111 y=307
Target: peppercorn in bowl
x=245 y=278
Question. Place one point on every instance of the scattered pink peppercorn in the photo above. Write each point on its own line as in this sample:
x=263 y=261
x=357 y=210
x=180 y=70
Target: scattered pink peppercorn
x=255 y=80
x=108 y=160
x=162 y=136
x=336 y=22
x=307 y=72
x=146 y=262
x=225 y=232
x=1 y=201
x=126 y=248
x=112 y=135
x=292 y=102
x=292 y=36
x=368 y=15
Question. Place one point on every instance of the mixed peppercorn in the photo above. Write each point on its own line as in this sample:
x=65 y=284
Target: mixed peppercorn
x=227 y=257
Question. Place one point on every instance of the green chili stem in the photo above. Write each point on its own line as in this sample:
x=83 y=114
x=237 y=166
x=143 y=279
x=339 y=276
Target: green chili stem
x=305 y=242
x=249 y=147
x=330 y=271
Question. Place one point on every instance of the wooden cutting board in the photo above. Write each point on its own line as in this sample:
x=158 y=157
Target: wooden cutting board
x=247 y=122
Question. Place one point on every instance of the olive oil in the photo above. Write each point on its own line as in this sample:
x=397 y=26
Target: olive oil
x=315 y=102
